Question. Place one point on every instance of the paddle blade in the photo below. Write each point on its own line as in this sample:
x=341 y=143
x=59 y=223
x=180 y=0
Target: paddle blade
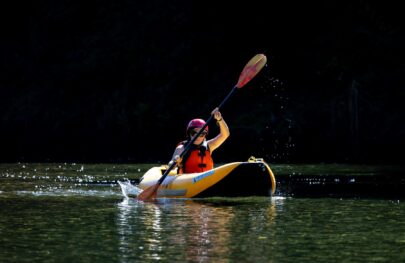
x=149 y=193
x=251 y=69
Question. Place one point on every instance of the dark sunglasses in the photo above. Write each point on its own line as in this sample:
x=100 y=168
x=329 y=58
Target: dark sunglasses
x=202 y=134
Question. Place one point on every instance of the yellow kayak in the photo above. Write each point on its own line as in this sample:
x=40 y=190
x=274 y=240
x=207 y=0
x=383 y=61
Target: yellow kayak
x=251 y=178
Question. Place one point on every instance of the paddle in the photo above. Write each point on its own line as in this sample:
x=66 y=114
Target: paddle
x=249 y=71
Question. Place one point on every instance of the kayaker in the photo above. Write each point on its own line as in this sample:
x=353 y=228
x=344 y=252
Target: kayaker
x=198 y=158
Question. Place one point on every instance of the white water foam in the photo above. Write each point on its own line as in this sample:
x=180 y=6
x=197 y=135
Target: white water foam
x=129 y=190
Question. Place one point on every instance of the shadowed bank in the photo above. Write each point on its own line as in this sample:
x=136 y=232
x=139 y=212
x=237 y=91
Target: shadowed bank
x=116 y=82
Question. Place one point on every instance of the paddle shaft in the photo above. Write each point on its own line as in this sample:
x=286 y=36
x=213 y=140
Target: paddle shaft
x=190 y=143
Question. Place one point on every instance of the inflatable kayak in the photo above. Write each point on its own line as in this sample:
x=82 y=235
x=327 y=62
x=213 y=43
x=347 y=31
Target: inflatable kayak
x=251 y=178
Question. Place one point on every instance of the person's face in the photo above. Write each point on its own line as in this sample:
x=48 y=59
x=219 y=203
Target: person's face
x=200 y=138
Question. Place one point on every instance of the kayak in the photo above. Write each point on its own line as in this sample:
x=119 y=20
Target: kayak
x=237 y=179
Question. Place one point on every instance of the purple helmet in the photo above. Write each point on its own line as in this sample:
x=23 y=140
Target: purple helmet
x=196 y=123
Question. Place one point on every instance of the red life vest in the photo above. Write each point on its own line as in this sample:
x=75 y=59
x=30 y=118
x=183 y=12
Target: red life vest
x=198 y=159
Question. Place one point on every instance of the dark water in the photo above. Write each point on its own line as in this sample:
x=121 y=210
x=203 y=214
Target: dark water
x=77 y=213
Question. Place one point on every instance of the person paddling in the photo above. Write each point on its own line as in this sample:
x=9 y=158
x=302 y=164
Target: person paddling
x=198 y=158
x=249 y=71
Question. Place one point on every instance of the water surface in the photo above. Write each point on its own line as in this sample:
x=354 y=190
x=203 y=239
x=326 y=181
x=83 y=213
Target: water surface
x=77 y=213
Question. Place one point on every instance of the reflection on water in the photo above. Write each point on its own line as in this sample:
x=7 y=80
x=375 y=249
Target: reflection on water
x=195 y=231
x=69 y=213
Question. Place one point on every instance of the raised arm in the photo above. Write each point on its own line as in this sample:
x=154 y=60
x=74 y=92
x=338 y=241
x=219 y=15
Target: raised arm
x=224 y=133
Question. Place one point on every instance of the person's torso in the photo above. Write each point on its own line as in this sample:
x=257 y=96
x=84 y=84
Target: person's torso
x=197 y=159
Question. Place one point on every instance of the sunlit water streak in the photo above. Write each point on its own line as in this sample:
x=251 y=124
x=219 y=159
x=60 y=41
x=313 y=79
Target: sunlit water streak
x=66 y=179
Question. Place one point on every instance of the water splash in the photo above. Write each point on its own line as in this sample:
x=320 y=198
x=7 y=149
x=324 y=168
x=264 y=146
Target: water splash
x=128 y=189
x=277 y=137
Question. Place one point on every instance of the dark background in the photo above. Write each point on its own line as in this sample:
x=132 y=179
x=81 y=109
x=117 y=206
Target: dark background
x=118 y=81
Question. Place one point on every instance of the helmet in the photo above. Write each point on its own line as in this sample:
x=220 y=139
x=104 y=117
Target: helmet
x=196 y=123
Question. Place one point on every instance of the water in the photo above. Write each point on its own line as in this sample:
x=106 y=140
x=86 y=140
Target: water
x=77 y=213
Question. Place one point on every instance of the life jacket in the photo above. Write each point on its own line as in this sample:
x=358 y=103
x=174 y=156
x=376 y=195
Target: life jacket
x=198 y=159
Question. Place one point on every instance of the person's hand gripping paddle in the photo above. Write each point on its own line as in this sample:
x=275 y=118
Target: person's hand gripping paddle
x=249 y=71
